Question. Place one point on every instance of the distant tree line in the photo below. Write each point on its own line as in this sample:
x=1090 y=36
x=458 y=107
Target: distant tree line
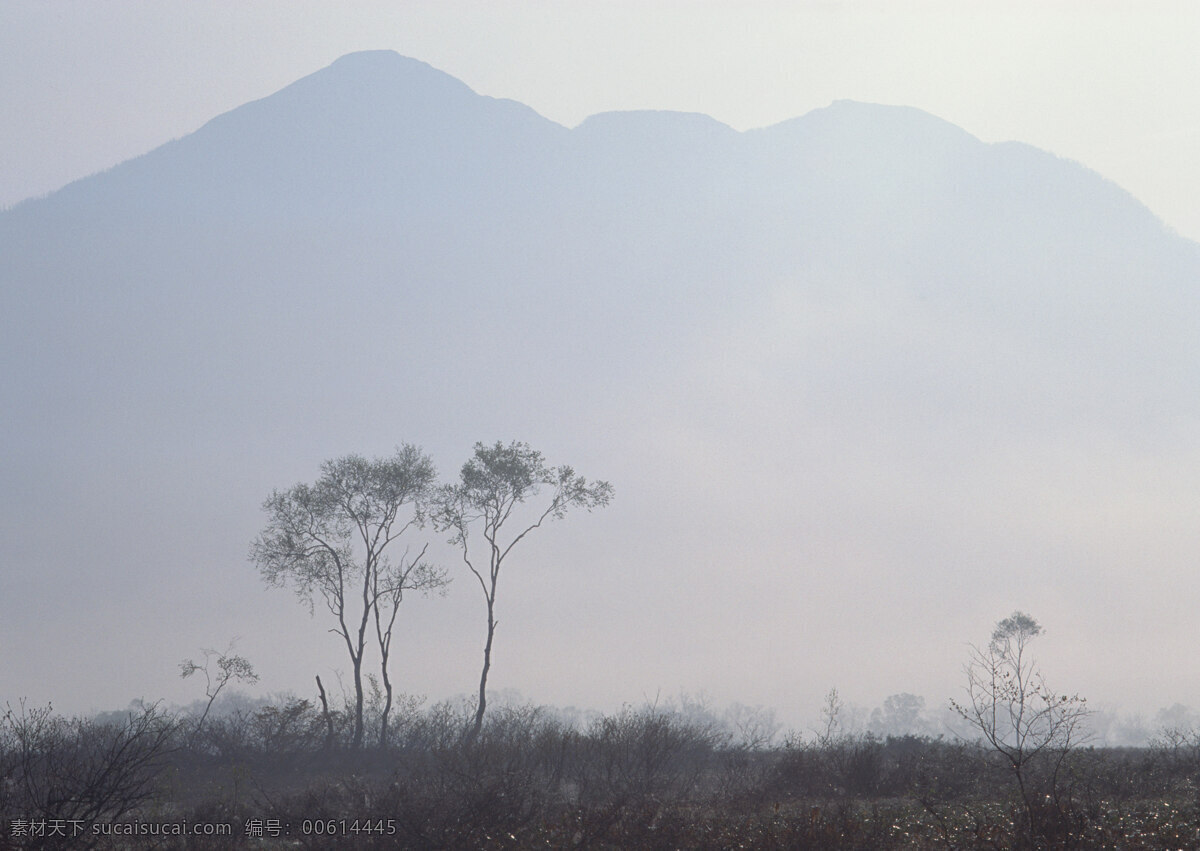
x=675 y=774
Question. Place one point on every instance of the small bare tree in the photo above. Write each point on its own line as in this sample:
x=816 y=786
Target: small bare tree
x=493 y=485
x=230 y=667
x=1032 y=727
x=329 y=540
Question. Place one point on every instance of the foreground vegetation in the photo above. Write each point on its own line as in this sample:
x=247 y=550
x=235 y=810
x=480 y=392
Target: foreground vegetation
x=653 y=777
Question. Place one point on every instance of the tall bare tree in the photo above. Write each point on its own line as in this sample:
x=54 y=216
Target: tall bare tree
x=330 y=540
x=493 y=486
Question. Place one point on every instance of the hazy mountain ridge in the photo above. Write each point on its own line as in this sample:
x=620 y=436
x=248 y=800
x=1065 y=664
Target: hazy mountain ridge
x=363 y=130
x=772 y=328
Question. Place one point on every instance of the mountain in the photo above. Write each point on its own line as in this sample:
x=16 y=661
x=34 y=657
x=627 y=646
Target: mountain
x=852 y=375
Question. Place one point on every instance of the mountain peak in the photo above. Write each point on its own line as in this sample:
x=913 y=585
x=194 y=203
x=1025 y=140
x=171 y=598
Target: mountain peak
x=863 y=120
x=380 y=76
x=378 y=58
x=379 y=65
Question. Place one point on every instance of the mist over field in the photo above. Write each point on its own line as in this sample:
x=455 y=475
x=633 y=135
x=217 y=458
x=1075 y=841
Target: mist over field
x=863 y=385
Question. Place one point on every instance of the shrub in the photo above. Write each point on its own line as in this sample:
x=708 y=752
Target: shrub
x=77 y=770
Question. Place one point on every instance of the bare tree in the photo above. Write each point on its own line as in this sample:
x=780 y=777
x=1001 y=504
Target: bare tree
x=1029 y=725
x=496 y=482
x=329 y=540
x=229 y=667
x=832 y=724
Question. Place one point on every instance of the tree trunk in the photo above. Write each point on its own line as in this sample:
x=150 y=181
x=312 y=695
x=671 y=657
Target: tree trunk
x=325 y=713
x=481 y=707
x=358 y=703
x=387 y=707
x=369 y=574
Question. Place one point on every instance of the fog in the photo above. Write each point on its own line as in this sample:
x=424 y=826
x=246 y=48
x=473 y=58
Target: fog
x=863 y=383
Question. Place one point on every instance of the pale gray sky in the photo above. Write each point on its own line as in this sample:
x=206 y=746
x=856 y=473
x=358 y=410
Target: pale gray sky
x=1110 y=84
